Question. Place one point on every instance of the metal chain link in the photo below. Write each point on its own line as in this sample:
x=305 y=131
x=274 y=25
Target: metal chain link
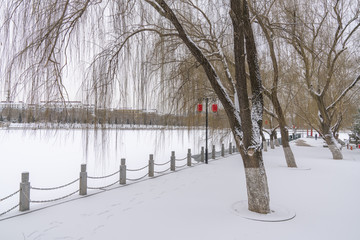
x=137 y=179
x=160 y=172
x=13 y=194
x=181 y=159
x=162 y=164
x=102 y=188
x=139 y=169
x=56 y=199
x=110 y=175
x=54 y=188
x=181 y=166
x=9 y=210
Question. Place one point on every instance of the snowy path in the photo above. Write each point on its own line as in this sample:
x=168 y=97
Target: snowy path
x=195 y=203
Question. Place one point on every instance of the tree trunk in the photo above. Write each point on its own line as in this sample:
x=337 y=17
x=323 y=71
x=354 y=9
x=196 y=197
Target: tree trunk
x=276 y=140
x=289 y=156
x=249 y=144
x=334 y=149
x=264 y=141
x=272 y=146
x=325 y=127
x=256 y=182
x=246 y=123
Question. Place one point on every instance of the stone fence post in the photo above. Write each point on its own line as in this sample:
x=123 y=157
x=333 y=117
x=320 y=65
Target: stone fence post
x=151 y=165
x=24 y=203
x=123 y=172
x=213 y=152
x=230 y=148
x=202 y=155
x=189 y=158
x=172 y=161
x=222 y=150
x=83 y=180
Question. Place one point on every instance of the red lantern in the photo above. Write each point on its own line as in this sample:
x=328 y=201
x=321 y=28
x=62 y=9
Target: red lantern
x=214 y=108
x=199 y=107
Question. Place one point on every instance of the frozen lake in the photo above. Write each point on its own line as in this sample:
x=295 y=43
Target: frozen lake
x=53 y=157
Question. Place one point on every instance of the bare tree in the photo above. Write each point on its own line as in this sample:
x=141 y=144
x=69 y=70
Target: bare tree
x=47 y=48
x=264 y=19
x=322 y=35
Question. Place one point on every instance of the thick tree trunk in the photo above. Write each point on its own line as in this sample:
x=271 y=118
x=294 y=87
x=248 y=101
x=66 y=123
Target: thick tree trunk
x=256 y=182
x=251 y=121
x=334 y=149
x=325 y=127
x=246 y=123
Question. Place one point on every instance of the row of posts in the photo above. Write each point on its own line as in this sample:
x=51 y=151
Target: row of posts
x=24 y=203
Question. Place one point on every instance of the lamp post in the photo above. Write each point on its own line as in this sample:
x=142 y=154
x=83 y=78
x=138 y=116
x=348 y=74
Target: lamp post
x=214 y=109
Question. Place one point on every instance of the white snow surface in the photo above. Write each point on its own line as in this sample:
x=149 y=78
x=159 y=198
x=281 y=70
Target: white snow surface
x=196 y=203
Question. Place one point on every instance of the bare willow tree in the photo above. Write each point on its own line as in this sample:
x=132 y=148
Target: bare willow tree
x=265 y=16
x=323 y=34
x=52 y=36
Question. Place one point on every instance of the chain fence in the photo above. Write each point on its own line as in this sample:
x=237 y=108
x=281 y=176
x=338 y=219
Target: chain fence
x=181 y=166
x=195 y=160
x=139 y=169
x=162 y=164
x=9 y=210
x=55 y=188
x=180 y=159
x=107 y=176
x=137 y=179
x=218 y=154
x=161 y=172
x=103 y=187
x=9 y=196
x=55 y=199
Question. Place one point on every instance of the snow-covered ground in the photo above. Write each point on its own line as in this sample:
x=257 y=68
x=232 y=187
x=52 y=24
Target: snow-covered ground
x=196 y=203
x=53 y=157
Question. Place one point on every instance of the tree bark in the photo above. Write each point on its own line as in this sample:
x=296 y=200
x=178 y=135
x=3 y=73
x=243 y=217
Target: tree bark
x=333 y=147
x=272 y=146
x=325 y=128
x=289 y=156
x=276 y=140
x=256 y=181
x=246 y=124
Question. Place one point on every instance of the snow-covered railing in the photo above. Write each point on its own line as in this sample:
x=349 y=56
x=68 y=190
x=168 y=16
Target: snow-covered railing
x=151 y=170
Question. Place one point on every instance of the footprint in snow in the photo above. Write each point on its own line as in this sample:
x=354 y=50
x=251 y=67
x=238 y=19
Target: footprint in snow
x=102 y=213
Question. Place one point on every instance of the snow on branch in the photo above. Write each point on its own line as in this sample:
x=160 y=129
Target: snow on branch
x=199 y=55
x=342 y=95
x=268 y=112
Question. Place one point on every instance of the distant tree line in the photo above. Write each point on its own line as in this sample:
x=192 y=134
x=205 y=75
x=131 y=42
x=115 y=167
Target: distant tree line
x=109 y=116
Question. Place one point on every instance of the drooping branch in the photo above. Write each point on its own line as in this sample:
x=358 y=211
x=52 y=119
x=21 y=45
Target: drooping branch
x=342 y=95
x=201 y=58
